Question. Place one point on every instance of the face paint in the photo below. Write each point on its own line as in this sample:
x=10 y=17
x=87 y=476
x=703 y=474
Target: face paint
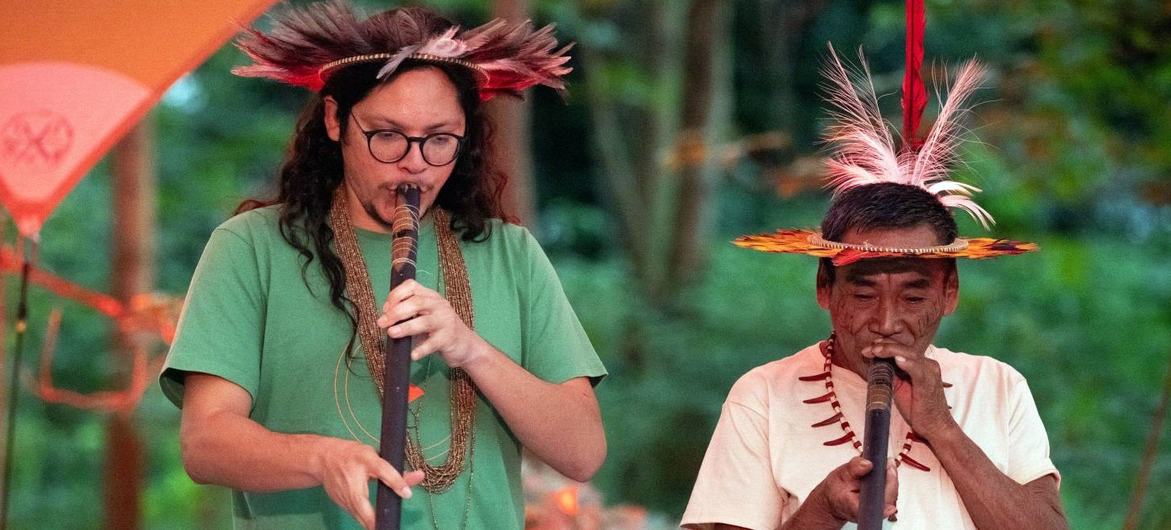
x=893 y=301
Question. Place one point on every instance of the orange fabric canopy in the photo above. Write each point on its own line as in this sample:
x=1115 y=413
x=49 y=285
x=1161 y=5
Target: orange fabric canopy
x=75 y=75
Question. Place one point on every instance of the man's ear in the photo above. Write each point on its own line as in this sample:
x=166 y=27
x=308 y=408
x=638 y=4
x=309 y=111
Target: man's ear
x=824 y=285
x=951 y=291
x=332 y=127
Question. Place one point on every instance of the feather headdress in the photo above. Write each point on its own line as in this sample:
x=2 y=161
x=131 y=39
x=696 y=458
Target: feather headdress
x=865 y=151
x=307 y=45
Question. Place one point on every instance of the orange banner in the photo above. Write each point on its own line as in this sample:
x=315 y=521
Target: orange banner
x=75 y=75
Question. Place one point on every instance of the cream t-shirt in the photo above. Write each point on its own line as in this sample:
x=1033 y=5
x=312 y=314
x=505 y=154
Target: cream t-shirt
x=765 y=458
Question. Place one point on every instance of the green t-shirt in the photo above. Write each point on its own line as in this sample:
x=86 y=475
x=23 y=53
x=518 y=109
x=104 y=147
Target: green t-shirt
x=250 y=319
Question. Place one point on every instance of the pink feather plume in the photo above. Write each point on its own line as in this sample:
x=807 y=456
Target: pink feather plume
x=864 y=147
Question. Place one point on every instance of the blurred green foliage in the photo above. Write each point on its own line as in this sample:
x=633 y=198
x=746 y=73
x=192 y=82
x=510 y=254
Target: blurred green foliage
x=1075 y=134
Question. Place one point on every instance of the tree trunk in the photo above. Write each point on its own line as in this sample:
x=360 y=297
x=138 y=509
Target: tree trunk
x=630 y=141
x=782 y=27
x=706 y=60
x=511 y=151
x=1147 y=463
x=665 y=210
x=622 y=181
x=132 y=271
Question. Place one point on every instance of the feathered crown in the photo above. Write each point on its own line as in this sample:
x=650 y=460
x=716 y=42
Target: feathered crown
x=864 y=147
x=865 y=153
x=307 y=45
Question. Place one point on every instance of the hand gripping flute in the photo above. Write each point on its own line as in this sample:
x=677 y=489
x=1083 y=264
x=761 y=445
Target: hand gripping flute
x=397 y=354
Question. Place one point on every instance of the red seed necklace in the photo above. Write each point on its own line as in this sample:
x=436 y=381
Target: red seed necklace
x=827 y=348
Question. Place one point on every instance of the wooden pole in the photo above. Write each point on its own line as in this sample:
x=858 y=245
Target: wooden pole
x=133 y=184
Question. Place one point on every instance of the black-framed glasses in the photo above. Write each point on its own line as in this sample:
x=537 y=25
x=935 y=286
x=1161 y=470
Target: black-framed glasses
x=389 y=146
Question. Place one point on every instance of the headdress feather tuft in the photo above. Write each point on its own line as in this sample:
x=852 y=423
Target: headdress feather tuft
x=301 y=41
x=306 y=45
x=865 y=153
x=864 y=148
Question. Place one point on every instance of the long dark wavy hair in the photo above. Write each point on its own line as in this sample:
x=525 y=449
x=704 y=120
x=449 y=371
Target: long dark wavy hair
x=313 y=168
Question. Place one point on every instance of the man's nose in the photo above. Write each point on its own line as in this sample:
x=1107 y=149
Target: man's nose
x=413 y=162
x=886 y=321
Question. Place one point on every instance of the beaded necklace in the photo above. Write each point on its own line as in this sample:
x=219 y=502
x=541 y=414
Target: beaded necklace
x=458 y=292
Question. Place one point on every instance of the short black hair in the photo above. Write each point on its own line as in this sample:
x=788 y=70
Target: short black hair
x=884 y=205
x=887 y=205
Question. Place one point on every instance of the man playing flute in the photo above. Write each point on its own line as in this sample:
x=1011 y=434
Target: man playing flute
x=277 y=364
x=968 y=447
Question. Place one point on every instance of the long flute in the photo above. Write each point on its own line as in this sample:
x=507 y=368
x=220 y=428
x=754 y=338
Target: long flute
x=872 y=491
x=396 y=353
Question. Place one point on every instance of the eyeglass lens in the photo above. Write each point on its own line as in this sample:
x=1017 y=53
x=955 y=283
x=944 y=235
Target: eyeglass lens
x=438 y=149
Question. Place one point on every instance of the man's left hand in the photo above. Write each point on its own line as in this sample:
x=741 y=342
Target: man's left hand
x=414 y=310
x=919 y=398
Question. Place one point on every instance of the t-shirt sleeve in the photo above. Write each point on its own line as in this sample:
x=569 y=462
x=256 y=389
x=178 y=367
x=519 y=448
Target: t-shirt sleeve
x=1028 y=444
x=220 y=328
x=735 y=484
x=555 y=346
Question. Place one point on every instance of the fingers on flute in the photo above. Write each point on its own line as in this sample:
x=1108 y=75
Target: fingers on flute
x=401 y=313
x=858 y=467
x=906 y=365
x=402 y=305
x=891 y=494
x=401 y=292
x=425 y=348
x=364 y=512
x=393 y=480
x=411 y=328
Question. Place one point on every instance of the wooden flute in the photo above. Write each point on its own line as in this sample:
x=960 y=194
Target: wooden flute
x=397 y=354
x=872 y=490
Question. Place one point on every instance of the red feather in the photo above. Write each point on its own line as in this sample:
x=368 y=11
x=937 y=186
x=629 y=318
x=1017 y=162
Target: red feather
x=914 y=94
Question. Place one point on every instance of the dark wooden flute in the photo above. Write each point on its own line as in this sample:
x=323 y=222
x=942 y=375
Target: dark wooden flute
x=872 y=491
x=396 y=372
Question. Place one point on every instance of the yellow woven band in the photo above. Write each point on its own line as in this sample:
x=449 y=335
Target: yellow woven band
x=955 y=246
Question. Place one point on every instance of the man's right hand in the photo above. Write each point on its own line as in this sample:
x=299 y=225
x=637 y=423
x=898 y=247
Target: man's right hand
x=222 y=445
x=834 y=501
x=345 y=468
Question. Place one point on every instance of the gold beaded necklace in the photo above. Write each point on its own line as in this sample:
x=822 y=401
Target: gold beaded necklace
x=457 y=291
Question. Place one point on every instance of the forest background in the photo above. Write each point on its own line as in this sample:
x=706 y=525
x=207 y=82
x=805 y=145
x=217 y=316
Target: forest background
x=689 y=123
